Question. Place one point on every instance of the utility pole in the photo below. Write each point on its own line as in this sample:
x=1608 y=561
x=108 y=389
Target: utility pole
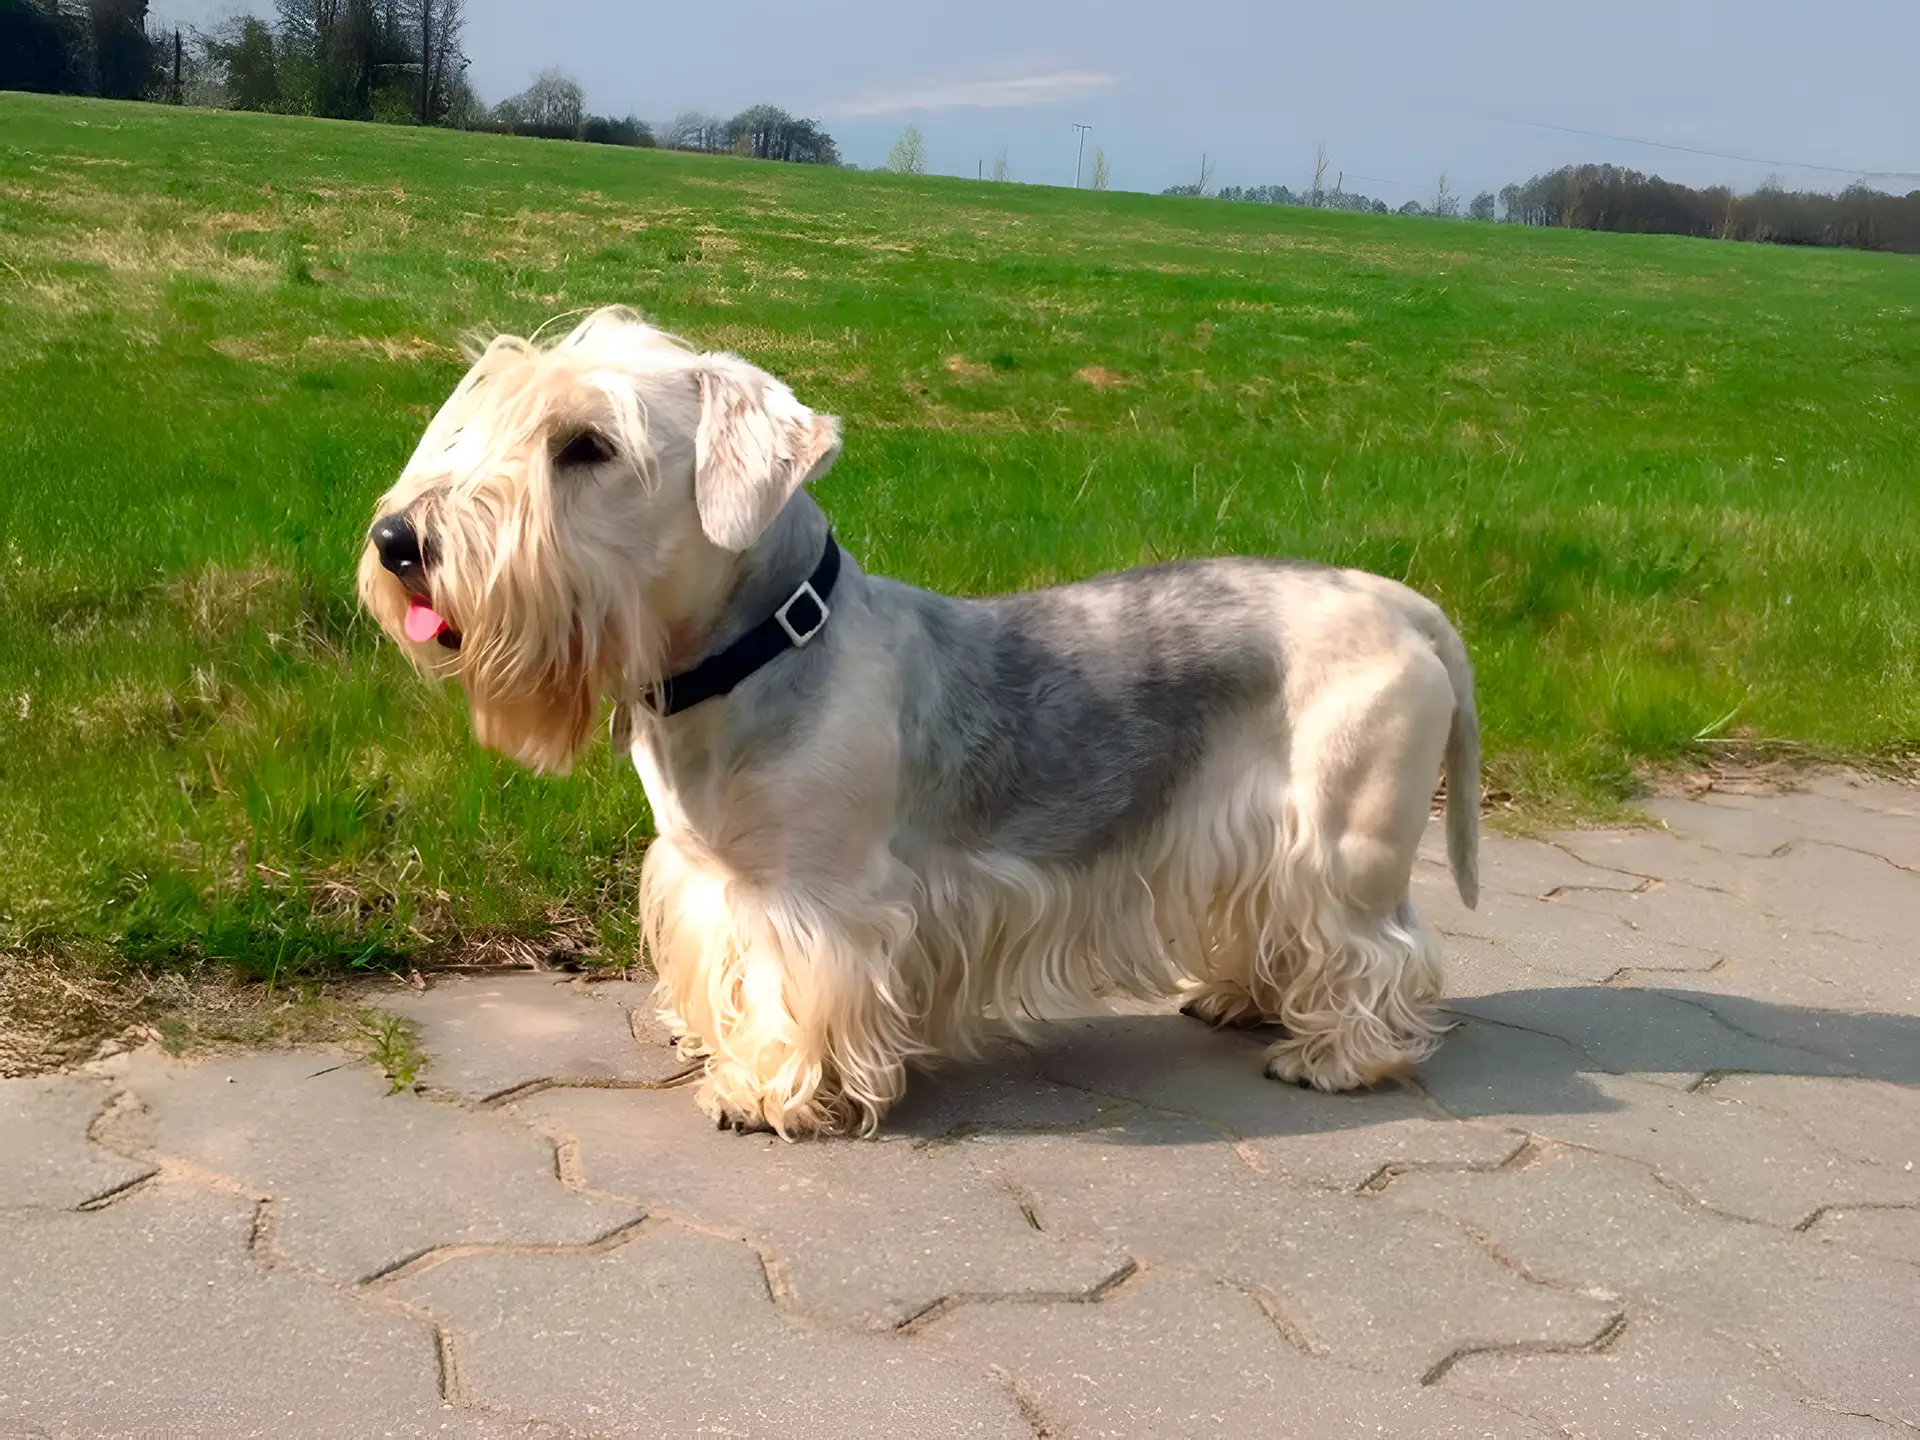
x=426 y=62
x=1080 y=158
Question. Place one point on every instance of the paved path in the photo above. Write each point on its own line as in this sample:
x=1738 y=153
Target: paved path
x=1661 y=1181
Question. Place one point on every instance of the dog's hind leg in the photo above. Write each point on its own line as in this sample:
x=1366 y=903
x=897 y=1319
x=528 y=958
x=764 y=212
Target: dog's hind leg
x=1357 y=972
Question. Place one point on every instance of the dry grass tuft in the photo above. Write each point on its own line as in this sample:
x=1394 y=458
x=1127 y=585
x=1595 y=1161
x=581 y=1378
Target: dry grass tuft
x=58 y=1011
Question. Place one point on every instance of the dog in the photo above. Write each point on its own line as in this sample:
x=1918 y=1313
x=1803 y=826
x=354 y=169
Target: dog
x=890 y=823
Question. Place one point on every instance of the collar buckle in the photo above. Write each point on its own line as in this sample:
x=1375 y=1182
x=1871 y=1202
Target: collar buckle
x=803 y=632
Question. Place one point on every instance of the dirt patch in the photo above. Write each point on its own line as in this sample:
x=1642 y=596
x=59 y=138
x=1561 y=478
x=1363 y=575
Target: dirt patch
x=1100 y=377
x=1758 y=767
x=57 y=1012
x=966 y=369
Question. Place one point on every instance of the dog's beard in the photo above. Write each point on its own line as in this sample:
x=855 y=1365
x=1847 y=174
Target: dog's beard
x=532 y=667
x=542 y=729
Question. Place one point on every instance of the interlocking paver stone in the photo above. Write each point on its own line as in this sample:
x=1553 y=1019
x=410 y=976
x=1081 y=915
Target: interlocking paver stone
x=43 y=1136
x=1334 y=1141
x=1003 y=1091
x=358 y=1180
x=871 y=1234
x=1535 y=869
x=1870 y=1121
x=1889 y=834
x=1579 y=943
x=151 y=1318
x=1660 y=1377
x=1820 y=887
x=1643 y=1030
x=1738 y=1158
x=1175 y=1354
x=1841 y=1327
x=1369 y=1284
x=1890 y=1233
x=675 y=1333
x=1663 y=1179
x=491 y=1034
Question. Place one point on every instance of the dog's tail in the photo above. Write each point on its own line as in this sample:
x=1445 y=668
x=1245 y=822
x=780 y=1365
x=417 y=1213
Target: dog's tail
x=1462 y=766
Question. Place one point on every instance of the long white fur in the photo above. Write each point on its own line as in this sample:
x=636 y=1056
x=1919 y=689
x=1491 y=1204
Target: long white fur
x=813 y=938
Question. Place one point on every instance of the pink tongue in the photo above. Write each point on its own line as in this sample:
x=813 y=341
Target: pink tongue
x=422 y=622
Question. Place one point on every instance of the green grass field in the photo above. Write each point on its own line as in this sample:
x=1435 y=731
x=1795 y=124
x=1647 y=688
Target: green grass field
x=1667 y=488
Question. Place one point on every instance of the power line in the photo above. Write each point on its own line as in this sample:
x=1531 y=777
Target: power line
x=1721 y=155
x=1397 y=184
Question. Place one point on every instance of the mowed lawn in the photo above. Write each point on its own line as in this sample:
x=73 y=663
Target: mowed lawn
x=1670 y=490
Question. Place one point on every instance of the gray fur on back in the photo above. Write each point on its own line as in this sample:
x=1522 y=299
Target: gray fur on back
x=1053 y=725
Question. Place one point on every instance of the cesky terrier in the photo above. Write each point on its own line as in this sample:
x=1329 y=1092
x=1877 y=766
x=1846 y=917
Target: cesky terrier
x=891 y=822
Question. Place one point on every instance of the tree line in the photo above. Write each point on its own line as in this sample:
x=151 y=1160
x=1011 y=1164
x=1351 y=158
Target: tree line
x=397 y=61
x=81 y=47
x=1611 y=197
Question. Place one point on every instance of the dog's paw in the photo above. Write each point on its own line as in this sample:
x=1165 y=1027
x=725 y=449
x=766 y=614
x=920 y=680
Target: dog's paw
x=1334 y=1071
x=742 y=1124
x=1288 y=1071
x=1224 y=1006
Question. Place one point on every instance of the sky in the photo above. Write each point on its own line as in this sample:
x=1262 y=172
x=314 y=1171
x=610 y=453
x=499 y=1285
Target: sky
x=1819 y=92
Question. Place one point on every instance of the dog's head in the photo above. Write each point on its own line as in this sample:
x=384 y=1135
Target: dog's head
x=573 y=512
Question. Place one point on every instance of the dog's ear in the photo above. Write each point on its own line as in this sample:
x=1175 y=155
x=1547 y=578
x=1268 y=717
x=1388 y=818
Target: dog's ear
x=756 y=445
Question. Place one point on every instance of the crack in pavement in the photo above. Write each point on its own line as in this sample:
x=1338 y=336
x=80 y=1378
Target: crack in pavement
x=1807 y=1394
x=1706 y=1008
x=1609 y=1334
x=1619 y=979
x=526 y=1089
x=1374 y=1184
x=1474 y=1016
x=1845 y=1207
x=1024 y=1402
x=936 y=1309
x=434 y=1256
x=1027 y=1201
x=986 y=1129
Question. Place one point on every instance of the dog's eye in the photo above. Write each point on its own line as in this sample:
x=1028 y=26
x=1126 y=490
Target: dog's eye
x=589 y=447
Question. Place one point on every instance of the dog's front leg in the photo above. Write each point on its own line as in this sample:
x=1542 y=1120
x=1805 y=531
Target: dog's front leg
x=794 y=996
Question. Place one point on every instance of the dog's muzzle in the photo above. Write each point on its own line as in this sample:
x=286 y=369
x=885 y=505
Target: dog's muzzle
x=397 y=543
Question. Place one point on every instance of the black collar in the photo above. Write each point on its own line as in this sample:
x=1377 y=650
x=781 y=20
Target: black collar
x=792 y=627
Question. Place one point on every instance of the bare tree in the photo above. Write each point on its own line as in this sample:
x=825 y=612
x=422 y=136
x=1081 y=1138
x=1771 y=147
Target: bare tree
x=909 y=153
x=437 y=27
x=553 y=105
x=1317 y=196
x=1102 y=174
x=1446 y=204
x=695 y=130
x=1205 y=187
x=1002 y=172
x=329 y=55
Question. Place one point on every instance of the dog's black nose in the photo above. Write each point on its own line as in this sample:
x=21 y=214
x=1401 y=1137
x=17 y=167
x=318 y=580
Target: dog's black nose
x=398 y=546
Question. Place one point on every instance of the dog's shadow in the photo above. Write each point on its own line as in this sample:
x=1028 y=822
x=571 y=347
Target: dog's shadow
x=1528 y=1052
